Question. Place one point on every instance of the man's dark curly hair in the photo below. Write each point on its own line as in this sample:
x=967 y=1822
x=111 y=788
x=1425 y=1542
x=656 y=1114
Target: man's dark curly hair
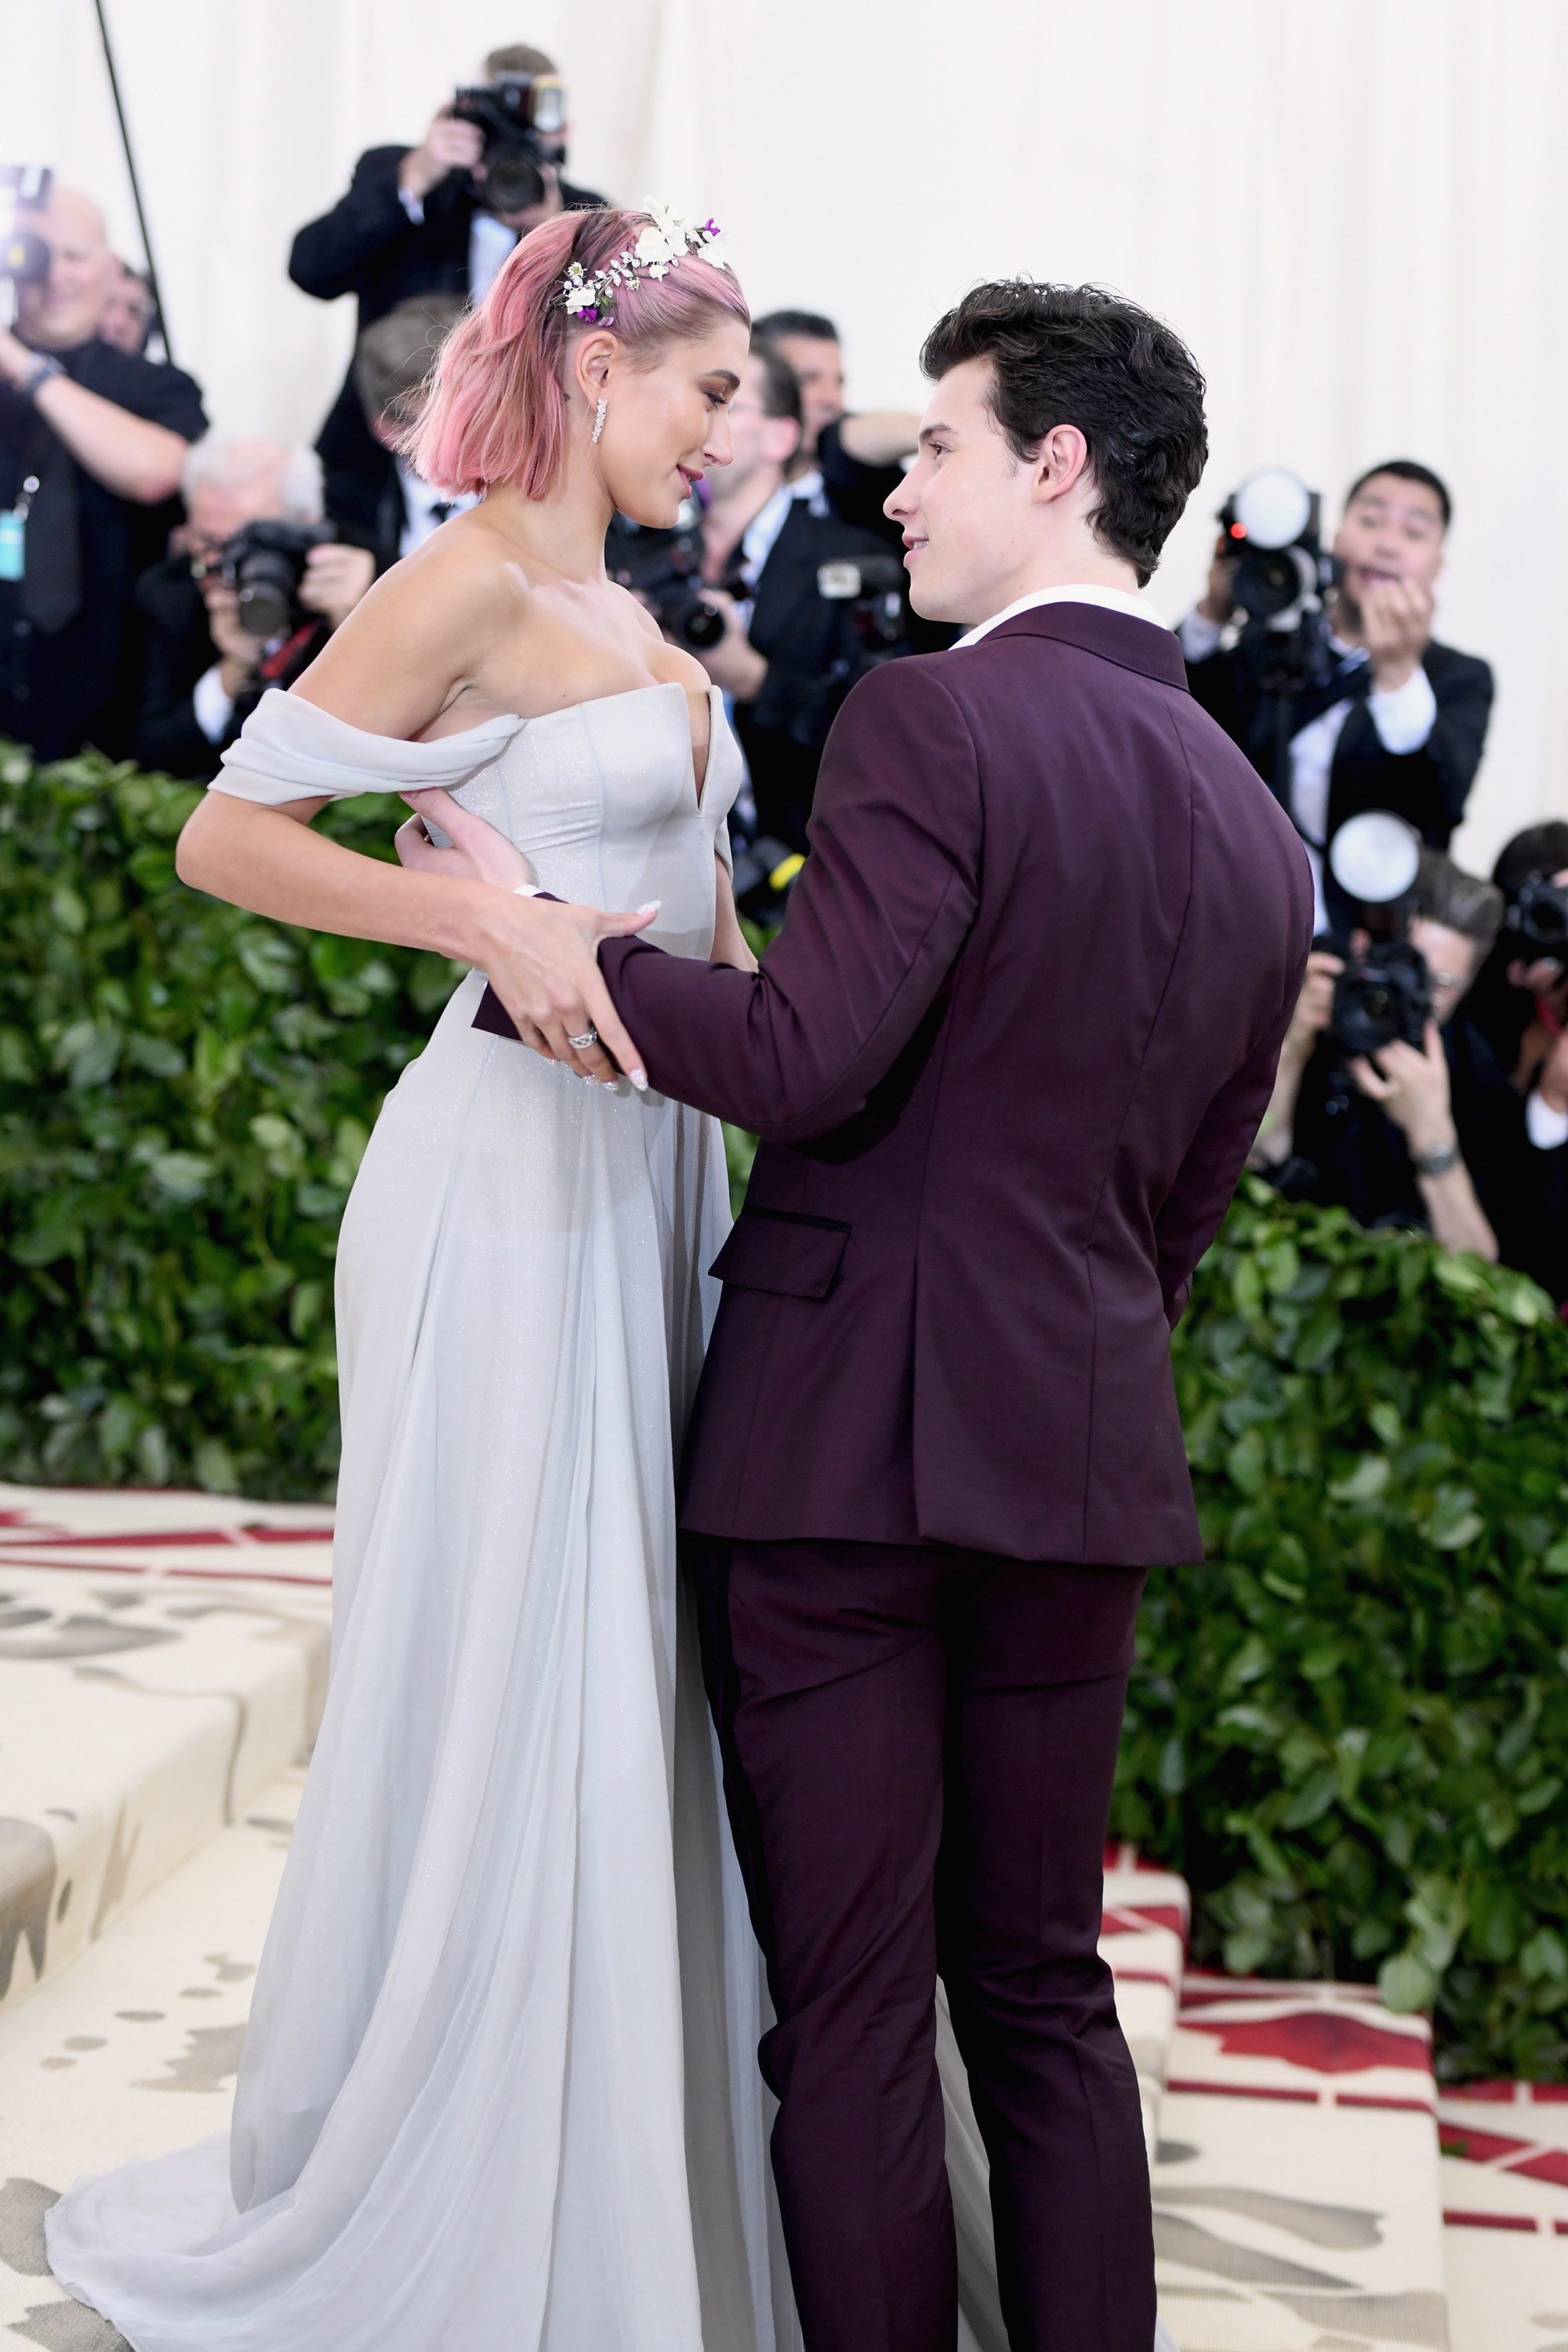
x=1077 y=355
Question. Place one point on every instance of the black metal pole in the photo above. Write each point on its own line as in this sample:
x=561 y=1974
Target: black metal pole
x=135 y=183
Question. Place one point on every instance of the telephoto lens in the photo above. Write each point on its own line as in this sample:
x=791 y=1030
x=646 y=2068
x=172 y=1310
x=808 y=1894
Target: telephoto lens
x=265 y=563
x=1538 y=918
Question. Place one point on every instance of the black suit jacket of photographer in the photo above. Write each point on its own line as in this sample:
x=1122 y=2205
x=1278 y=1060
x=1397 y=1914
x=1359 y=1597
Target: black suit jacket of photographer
x=1428 y=787
x=808 y=642
x=177 y=651
x=368 y=247
x=67 y=638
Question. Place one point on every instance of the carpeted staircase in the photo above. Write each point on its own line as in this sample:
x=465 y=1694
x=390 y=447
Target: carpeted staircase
x=163 y=1661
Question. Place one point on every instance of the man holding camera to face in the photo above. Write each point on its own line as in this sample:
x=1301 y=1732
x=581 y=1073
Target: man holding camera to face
x=440 y=218
x=1387 y=1099
x=1341 y=696
x=256 y=586
x=93 y=443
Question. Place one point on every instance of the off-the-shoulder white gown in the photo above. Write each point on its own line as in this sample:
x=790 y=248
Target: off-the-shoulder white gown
x=500 y=2088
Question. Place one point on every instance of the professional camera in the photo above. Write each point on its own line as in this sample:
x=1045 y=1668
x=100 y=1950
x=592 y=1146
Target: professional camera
x=1385 y=993
x=523 y=117
x=665 y=569
x=1272 y=522
x=24 y=255
x=1537 y=922
x=1380 y=997
x=874 y=587
x=266 y=562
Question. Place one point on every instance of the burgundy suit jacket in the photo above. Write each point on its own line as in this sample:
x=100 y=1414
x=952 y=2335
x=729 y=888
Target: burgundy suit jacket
x=1006 y=1057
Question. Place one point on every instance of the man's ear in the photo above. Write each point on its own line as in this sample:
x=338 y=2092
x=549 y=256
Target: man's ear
x=782 y=441
x=1060 y=463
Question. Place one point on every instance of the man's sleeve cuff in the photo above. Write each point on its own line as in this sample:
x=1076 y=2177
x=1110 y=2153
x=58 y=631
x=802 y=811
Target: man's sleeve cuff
x=1546 y=1128
x=412 y=205
x=1199 y=636
x=1405 y=717
x=213 y=706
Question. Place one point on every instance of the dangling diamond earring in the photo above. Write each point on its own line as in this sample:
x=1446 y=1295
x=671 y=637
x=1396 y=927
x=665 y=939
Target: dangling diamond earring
x=599 y=419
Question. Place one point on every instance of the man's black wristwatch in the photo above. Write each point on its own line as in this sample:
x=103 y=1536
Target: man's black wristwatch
x=44 y=366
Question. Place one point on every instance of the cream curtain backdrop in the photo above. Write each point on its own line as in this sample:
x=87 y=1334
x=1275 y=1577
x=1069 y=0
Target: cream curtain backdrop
x=1353 y=210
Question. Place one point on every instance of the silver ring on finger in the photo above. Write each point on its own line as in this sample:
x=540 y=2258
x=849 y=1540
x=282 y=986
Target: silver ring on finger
x=589 y=1037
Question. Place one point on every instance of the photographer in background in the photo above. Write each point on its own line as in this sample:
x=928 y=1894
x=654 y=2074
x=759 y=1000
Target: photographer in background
x=1395 y=720
x=92 y=443
x=810 y=603
x=1392 y=1136
x=857 y=457
x=130 y=312
x=204 y=670
x=392 y=364
x=1521 y=1006
x=440 y=218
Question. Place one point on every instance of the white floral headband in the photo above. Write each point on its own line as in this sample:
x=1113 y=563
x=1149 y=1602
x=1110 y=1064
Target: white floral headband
x=663 y=246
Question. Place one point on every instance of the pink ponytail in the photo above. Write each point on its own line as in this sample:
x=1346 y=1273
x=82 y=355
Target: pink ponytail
x=497 y=412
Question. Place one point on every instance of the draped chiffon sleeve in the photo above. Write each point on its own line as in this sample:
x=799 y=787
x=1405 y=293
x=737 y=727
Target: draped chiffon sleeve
x=291 y=749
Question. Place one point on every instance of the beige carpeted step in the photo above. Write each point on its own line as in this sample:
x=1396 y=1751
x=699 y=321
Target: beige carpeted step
x=1296 y=2200
x=160 y=1663
x=132 y=2051
x=1505 y=2215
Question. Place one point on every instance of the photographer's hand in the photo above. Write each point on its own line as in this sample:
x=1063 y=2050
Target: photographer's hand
x=1413 y=1087
x=240 y=653
x=335 y=579
x=1411 y=1083
x=1314 y=1009
x=1397 y=628
x=448 y=146
x=733 y=664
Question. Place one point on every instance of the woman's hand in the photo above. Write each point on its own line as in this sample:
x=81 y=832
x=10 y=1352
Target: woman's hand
x=478 y=854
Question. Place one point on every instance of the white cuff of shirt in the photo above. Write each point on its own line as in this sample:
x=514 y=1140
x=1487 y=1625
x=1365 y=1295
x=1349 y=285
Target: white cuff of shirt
x=213 y=706
x=412 y=205
x=1405 y=719
x=1546 y=1128
x=1199 y=636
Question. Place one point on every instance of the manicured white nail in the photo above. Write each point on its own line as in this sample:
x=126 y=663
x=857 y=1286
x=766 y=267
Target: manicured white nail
x=638 y=1080
x=652 y=906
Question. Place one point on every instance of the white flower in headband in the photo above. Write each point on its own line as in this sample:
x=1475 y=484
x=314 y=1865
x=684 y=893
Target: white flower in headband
x=666 y=242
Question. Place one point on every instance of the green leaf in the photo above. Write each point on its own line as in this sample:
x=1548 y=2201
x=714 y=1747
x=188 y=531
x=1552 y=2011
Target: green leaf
x=1407 y=1983
x=183 y=1175
x=1453 y=1521
x=1364 y=1483
x=1247 y=1462
x=214 y=1467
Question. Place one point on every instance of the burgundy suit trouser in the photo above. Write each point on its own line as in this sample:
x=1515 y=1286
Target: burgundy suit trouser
x=919 y=1744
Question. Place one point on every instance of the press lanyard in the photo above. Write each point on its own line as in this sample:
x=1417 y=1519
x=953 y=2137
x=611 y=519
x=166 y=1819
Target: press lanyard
x=13 y=532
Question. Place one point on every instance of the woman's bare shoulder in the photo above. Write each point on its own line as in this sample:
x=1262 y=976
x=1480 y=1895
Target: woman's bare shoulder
x=423 y=634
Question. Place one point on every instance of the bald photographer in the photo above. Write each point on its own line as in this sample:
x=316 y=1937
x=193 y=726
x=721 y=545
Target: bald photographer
x=92 y=443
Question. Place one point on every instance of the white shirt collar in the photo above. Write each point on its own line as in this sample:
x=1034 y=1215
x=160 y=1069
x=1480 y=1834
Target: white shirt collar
x=762 y=532
x=1109 y=600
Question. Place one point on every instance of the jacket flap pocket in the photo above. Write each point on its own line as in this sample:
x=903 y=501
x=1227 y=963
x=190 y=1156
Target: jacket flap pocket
x=798 y=1257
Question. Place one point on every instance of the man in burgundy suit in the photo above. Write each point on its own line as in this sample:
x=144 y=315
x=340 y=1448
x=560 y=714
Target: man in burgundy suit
x=1006 y=1057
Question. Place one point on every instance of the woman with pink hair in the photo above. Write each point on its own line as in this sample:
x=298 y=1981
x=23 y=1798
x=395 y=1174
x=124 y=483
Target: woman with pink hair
x=498 y=2087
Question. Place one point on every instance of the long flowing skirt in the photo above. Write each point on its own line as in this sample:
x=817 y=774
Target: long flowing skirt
x=499 y=2086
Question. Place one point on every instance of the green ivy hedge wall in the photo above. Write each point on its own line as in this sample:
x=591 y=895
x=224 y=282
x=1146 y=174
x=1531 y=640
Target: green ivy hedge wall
x=1349 y=1729
x=184 y=1095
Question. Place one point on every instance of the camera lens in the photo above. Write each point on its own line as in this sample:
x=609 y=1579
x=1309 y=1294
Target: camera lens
x=702 y=626
x=512 y=179
x=266 y=597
